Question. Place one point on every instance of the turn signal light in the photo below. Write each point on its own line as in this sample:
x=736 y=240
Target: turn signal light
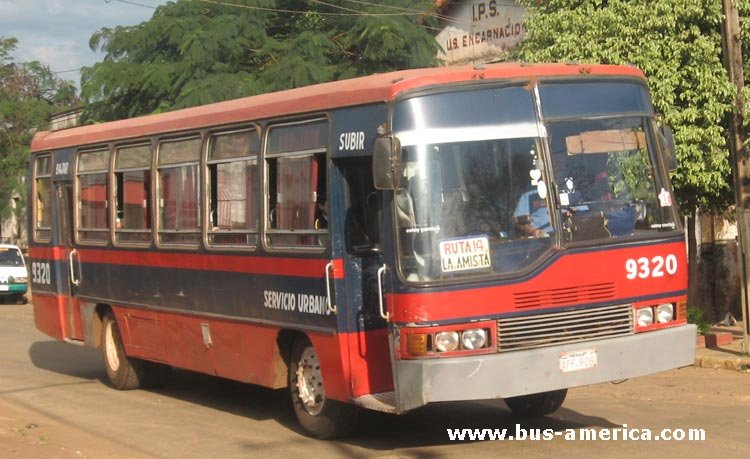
x=416 y=343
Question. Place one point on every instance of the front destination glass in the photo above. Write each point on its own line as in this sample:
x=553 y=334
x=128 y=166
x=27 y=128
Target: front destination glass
x=497 y=179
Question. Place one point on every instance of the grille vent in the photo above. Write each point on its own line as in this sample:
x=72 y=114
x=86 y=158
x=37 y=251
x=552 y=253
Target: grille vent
x=527 y=332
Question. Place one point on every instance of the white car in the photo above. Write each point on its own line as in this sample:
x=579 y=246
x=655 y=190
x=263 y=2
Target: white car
x=14 y=278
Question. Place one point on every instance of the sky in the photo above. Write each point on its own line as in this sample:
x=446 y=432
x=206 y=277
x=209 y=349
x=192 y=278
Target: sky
x=57 y=32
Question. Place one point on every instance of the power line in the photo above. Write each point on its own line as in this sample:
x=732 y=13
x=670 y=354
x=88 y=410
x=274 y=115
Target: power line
x=132 y=3
x=365 y=13
x=348 y=11
x=277 y=10
x=68 y=71
x=408 y=10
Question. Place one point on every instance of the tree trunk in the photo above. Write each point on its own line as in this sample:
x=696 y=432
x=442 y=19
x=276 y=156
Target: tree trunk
x=696 y=294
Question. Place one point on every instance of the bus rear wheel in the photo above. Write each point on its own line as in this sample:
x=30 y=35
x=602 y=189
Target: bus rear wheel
x=322 y=417
x=536 y=405
x=123 y=372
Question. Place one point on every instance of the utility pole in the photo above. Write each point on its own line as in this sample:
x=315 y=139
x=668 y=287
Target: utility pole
x=739 y=154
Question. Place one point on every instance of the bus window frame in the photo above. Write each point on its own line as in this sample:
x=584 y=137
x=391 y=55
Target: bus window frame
x=323 y=236
x=35 y=208
x=77 y=229
x=206 y=191
x=156 y=192
x=113 y=191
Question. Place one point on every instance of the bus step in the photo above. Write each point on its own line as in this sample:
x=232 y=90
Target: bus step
x=384 y=401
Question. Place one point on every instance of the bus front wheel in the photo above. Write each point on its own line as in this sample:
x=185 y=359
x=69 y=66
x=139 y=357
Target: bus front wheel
x=320 y=416
x=535 y=405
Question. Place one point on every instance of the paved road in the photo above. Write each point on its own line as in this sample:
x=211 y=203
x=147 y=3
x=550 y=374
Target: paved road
x=54 y=404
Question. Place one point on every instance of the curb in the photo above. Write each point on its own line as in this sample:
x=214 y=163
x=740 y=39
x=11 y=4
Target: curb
x=723 y=363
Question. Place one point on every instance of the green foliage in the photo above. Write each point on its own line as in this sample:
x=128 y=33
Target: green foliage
x=677 y=44
x=695 y=316
x=743 y=7
x=193 y=52
x=29 y=94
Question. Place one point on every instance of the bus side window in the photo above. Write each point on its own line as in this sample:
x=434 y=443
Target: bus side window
x=363 y=207
x=233 y=188
x=43 y=201
x=297 y=184
x=133 y=194
x=179 y=191
x=92 y=223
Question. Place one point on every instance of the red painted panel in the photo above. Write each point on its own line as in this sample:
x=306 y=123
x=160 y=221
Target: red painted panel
x=597 y=267
x=240 y=351
x=46 y=252
x=47 y=315
x=244 y=352
x=144 y=333
x=370 y=362
x=52 y=315
x=75 y=329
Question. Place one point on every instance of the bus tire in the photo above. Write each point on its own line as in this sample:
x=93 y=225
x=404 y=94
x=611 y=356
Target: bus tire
x=536 y=405
x=123 y=372
x=323 y=418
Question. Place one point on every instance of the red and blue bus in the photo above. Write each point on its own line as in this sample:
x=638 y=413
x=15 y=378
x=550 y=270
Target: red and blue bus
x=460 y=233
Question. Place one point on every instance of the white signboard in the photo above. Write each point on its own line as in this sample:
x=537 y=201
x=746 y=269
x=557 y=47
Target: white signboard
x=480 y=31
x=464 y=254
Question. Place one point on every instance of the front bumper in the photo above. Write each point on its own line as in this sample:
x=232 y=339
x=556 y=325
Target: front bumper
x=13 y=289
x=537 y=370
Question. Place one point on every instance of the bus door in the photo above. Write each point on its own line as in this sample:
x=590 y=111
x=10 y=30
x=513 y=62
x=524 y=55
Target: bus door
x=358 y=226
x=72 y=328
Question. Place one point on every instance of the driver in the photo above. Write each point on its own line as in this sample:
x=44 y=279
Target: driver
x=532 y=217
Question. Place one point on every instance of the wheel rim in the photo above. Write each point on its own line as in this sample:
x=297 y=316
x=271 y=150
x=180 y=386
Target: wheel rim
x=310 y=382
x=110 y=347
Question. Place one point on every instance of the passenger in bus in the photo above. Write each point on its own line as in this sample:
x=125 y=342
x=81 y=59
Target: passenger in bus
x=321 y=214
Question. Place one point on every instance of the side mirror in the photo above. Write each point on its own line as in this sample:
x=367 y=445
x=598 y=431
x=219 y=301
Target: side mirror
x=386 y=163
x=666 y=141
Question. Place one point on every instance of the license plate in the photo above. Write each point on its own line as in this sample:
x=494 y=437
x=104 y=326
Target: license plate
x=4 y=288
x=578 y=360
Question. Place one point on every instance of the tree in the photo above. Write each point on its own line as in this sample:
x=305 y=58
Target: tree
x=29 y=94
x=193 y=52
x=677 y=44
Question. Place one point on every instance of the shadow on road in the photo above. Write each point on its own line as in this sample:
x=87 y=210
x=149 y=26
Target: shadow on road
x=420 y=428
x=423 y=427
x=428 y=426
x=67 y=359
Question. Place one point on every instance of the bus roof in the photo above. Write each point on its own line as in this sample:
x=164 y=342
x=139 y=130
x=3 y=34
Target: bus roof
x=314 y=98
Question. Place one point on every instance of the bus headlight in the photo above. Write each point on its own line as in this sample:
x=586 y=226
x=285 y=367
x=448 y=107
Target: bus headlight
x=474 y=338
x=22 y=280
x=664 y=313
x=446 y=341
x=644 y=317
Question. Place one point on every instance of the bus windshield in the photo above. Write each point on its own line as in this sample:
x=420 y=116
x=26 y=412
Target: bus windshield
x=475 y=197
